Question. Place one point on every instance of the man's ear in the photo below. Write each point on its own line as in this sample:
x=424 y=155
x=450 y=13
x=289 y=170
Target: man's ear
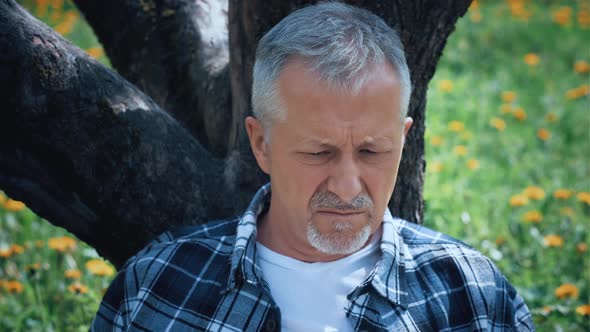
x=257 y=143
x=407 y=126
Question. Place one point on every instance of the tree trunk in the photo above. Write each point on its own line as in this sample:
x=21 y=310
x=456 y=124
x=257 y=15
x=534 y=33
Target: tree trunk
x=118 y=160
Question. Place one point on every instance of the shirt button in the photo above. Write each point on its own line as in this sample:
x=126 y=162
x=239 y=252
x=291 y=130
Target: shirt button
x=271 y=325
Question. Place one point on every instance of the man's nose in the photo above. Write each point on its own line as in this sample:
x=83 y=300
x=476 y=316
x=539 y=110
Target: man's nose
x=345 y=180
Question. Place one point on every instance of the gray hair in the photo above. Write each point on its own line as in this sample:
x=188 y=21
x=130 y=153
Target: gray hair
x=339 y=42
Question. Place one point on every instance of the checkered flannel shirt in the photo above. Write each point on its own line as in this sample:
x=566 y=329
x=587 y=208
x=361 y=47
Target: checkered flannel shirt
x=206 y=278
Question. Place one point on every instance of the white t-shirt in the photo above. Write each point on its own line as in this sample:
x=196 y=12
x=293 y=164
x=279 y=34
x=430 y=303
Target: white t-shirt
x=312 y=296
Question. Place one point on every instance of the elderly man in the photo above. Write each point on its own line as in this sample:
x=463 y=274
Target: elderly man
x=317 y=249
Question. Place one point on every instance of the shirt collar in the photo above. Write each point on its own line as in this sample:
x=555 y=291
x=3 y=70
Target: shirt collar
x=387 y=277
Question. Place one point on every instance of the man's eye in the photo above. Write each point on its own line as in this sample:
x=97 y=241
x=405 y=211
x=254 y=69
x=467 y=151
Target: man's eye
x=318 y=154
x=367 y=151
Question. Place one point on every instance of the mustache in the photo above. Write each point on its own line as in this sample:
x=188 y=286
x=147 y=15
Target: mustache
x=329 y=200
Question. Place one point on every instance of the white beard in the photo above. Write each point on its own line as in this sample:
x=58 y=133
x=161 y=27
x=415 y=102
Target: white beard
x=339 y=242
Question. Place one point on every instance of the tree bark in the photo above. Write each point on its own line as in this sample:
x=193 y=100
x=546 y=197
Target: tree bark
x=90 y=152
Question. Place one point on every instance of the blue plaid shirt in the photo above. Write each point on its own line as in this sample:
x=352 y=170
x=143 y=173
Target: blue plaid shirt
x=206 y=278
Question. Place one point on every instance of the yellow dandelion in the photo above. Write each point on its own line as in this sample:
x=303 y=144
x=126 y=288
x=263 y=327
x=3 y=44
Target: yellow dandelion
x=534 y=192
x=532 y=59
x=506 y=108
x=583 y=310
x=553 y=240
x=435 y=167
x=547 y=309
x=567 y=211
x=551 y=117
x=475 y=16
x=62 y=243
x=584 y=197
x=581 y=91
x=508 y=96
x=445 y=86
x=567 y=290
x=460 y=150
x=581 y=67
x=562 y=193
x=78 y=288
x=73 y=274
x=543 y=134
x=581 y=247
x=17 y=249
x=532 y=216
x=474 y=5
x=14 y=206
x=5 y=252
x=563 y=15
x=95 y=52
x=498 y=123
x=436 y=140
x=99 y=267
x=456 y=126
x=13 y=286
x=519 y=114
x=472 y=164
x=584 y=19
x=519 y=200
x=500 y=240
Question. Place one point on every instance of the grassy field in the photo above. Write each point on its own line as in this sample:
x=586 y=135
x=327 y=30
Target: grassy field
x=508 y=169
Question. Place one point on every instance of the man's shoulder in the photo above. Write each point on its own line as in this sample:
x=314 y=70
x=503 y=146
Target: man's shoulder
x=189 y=245
x=428 y=249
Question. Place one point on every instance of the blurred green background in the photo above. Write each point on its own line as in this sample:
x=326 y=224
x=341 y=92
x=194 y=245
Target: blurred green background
x=508 y=169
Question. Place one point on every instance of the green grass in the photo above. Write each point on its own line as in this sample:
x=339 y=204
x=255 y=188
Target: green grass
x=481 y=60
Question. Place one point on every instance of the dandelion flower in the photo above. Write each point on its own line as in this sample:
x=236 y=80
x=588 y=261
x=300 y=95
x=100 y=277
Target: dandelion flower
x=13 y=286
x=532 y=216
x=583 y=310
x=436 y=140
x=584 y=197
x=547 y=309
x=62 y=244
x=78 y=288
x=472 y=164
x=5 y=252
x=581 y=67
x=460 y=150
x=519 y=200
x=581 y=247
x=534 y=192
x=553 y=240
x=581 y=91
x=563 y=15
x=543 y=134
x=456 y=126
x=532 y=59
x=506 y=108
x=567 y=211
x=73 y=274
x=14 y=206
x=475 y=16
x=551 y=117
x=508 y=96
x=99 y=267
x=567 y=290
x=436 y=167
x=500 y=240
x=519 y=114
x=17 y=249
x=498 y=123
x=584 y=19
x=562 y=194
x=95 y=52
x=445 y=86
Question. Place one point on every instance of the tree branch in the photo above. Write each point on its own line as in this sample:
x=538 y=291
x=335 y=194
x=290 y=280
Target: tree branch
x=88 y=151
x=174 y=51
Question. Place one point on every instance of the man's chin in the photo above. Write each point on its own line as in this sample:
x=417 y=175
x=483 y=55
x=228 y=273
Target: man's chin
x=343 y=239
